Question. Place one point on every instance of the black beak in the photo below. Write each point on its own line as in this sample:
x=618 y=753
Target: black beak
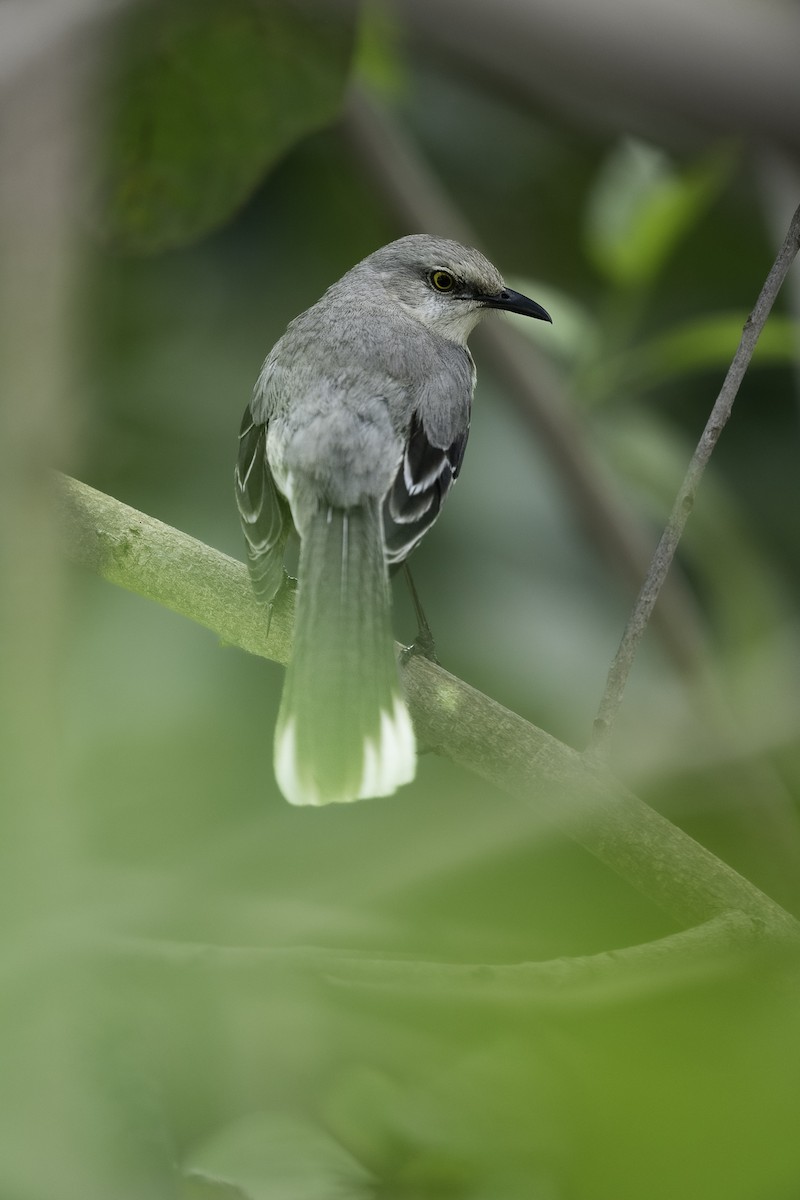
x=515 y=302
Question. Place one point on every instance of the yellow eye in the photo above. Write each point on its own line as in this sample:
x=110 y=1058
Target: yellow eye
x=443 y=281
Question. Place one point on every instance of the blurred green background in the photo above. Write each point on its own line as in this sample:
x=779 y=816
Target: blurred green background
x=182 y=179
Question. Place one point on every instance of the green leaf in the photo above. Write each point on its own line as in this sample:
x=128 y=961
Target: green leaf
x=711 y=342
x=380 y=61
x=204 y=97
x=266 y=1155
x=705 y=343
x=641 y=207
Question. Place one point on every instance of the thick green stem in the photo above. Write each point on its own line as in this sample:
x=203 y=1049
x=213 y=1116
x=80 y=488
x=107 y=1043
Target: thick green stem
x=142 y=555
x=675 y=872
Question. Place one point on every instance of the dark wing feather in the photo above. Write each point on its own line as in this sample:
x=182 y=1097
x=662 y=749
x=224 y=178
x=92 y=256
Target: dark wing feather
x=423 y=479
x=264 y=513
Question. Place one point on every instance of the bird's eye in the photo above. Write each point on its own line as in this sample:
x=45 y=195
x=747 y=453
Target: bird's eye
x=443 y=281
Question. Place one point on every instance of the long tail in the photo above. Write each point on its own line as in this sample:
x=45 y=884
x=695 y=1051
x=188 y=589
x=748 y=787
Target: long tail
x=343 y=732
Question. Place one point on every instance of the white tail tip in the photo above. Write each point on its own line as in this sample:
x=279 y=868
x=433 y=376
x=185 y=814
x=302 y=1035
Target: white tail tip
x=386 y=764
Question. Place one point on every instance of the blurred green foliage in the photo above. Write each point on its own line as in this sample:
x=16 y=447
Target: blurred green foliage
x=203 y=98
x=206 y=1076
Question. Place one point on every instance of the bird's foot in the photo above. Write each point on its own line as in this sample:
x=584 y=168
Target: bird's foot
x=283 y=598
x=423 y=646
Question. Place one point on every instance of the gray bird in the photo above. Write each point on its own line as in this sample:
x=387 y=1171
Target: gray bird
x=355 y=433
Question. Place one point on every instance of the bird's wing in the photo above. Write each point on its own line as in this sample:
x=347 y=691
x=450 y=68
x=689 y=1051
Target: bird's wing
x=264 y=513
x=424 y=477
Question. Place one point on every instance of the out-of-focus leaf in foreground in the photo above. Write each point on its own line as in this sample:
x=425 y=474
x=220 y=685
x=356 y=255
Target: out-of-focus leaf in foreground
x=267 y=1154
x=203 y=98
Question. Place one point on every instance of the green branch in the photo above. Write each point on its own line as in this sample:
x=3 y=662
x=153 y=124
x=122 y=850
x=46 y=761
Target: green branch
x=682 y=877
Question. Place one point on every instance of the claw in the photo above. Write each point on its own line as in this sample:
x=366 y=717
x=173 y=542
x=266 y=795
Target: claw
x=423 y=646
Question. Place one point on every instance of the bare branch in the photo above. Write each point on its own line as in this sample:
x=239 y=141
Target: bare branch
x=665 y=864
x=637 y=623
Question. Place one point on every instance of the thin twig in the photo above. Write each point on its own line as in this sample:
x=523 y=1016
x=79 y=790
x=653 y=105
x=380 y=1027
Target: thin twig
x=637 y=623
x=665 y=864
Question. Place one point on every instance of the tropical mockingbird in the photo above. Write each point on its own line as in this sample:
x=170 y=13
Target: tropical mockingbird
x=355 y=433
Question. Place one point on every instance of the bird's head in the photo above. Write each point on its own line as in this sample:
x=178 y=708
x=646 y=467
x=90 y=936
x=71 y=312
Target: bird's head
x=444 y=285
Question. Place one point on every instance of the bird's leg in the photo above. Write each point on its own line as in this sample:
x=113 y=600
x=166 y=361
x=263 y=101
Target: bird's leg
x=423 y=643
x=283 y=597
